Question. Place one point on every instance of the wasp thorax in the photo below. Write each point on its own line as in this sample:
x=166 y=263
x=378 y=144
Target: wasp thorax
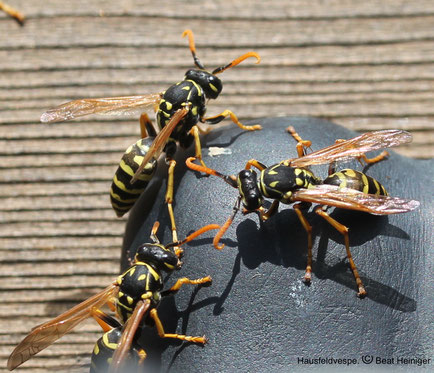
x=156 y=254
x=249 y=191
x=211 y=85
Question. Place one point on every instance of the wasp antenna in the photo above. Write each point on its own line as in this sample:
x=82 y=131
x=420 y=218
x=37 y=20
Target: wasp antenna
x=237 y=61
x=12 y=12
x=231 y=180
x=190 y=36
x=154 y=232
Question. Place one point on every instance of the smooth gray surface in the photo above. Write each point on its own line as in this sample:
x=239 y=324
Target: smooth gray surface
x=258 y=314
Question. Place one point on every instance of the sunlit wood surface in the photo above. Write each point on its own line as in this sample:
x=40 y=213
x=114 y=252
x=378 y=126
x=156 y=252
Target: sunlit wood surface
x=363 y=64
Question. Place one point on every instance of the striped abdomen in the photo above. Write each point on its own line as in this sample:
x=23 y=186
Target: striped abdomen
x=123 y=194
x=104 y=349
x=356 y=180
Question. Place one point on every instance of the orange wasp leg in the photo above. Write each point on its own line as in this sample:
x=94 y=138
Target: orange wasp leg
x=226 y=226
x=160 y=329
x=197 y=146
x=265 y=214
x=301 y=144
x=12 y=12
x=308 y=228
x=184 y=280
x=254 y=163
x=169 y=200
x=344 y=231
x=146 y=128
x=104 y=320
x=218 y=118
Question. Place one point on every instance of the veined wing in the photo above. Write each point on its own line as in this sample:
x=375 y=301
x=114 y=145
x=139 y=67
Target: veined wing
x=125 y=105
x=46 y=334
x=351 y=199
x=353 y=148
x=128 y=334
x=160 y=141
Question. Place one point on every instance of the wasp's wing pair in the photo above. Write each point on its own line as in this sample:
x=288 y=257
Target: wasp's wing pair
x=46 y=334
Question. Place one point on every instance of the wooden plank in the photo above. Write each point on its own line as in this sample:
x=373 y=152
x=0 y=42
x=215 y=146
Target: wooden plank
x=366 y=65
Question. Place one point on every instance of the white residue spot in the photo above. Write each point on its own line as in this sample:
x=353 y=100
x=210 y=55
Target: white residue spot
x=214 y=151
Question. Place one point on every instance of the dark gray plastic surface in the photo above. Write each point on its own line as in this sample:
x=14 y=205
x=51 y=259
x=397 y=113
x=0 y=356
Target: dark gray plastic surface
x=258 y=314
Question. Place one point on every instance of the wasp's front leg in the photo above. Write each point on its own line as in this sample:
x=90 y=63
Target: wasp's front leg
x=218 y=118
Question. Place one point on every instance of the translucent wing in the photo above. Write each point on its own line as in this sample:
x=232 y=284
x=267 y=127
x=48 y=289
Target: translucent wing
x=160 y=141
x=353 y=148
x=128 y=334
x=46 y=334
x=108 y=105
x=351 y=199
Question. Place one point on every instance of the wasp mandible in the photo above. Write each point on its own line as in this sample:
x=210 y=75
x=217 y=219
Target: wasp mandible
x=179 y=109
x=292 y=182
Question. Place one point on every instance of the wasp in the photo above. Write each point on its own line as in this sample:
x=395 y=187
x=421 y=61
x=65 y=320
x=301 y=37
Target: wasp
x=179 y=109
x=135 y=296
x=106 y=346
x=292 y=182
x=12 y=12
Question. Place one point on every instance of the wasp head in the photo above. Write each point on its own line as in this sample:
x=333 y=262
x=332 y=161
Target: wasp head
x=211 y=85
x=156 y=254
x=249 y=190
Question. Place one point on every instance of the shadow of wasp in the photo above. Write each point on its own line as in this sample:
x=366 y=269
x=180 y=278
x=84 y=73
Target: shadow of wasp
x=292 y=182
x=179 y=109
x=135 y=296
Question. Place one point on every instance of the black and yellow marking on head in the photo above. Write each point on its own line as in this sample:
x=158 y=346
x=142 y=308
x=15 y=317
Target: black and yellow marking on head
x=356 y=180
x=123 y=194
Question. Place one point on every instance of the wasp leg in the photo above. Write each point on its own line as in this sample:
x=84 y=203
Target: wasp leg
x=254 y=163
x=169 y=200
x=154 y=231
x=344 y=231
x=197 y=145
x=265 y=215
x=226 y=226
x=218 y=118
x=160 y=329
x=104 y=320
x=146 y=127
x=184 y=280
x=378 y=158
x=12 y=12
x=301 y=144
x=142 y=357
x=203 y=131
x=308 y=228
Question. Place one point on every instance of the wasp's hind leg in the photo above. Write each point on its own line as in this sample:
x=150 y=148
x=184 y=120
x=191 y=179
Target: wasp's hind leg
x=308 y=228
x=146 y=127
x=218 y=118
x=344 y=231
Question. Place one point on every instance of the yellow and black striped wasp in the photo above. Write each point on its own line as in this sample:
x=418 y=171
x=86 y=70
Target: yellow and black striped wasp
x=135 y=295
x=292 y=182
x=179 y=109
x=106 y=346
